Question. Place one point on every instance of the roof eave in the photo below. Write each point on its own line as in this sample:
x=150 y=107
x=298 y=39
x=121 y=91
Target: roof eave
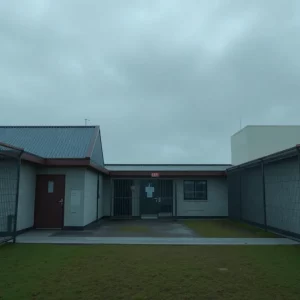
x=63 y=162
x=93 y=142
x=290 y=152
x=167 y=173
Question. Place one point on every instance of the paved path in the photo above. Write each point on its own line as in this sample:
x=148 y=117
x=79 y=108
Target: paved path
x=46 y=238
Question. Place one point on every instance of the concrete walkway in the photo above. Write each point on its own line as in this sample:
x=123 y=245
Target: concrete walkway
x=45 y=237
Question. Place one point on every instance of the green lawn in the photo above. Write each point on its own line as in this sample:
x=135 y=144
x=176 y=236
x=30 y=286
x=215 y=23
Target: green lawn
x=149 y=272
x=226 y=228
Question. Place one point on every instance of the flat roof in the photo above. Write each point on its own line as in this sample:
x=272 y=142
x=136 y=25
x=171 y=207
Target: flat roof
x=247 y=126
x=166 y=167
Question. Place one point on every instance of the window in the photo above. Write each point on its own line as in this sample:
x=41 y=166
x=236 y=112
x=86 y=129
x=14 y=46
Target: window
x=195 y=190
x=50 y=187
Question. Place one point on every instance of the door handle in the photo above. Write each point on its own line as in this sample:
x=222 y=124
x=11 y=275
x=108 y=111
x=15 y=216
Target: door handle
x=61 y=201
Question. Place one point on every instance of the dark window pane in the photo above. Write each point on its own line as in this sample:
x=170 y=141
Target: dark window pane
x=189 y=190
x=200 y=195
x=195 y=190
x=200 y=185
x=189 y=185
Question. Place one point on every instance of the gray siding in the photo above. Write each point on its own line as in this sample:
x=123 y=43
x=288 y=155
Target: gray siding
x=283 y=195
x=234 y=195
x=97 y=155
x=216 y=205
x=252 y=193
x=26 y=196
x=75 y=180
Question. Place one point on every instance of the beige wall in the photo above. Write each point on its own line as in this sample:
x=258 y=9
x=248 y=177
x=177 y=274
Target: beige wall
x=216 y=204
x=254 y=142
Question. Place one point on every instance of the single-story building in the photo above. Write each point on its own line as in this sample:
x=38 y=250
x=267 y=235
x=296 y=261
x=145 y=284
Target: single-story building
x=55 y=177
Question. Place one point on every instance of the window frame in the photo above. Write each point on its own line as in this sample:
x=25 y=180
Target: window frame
x=194 y=198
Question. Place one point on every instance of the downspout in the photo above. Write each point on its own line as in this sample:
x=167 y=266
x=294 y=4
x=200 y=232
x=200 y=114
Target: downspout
x=17 y=197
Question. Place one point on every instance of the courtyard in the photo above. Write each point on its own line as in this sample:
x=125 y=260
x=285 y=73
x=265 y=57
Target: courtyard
x=160 y=232
x=162 y=228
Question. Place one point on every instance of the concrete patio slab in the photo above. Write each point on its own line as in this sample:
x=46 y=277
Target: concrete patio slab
x=133 y=228
x=40 y=237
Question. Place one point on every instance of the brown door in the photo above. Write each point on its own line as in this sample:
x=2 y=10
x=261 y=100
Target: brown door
x=49 y=201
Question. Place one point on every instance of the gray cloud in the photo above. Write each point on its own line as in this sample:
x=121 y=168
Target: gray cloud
x=167 y=80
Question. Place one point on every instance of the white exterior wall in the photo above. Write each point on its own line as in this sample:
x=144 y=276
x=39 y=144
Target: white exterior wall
x=26 y=202
x=254 y=142
x=75 y=180
x=216 y=204
x=90 y=197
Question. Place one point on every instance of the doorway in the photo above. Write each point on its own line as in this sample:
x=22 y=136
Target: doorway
x=123 y=198
x=156 y=198
x=49 y=201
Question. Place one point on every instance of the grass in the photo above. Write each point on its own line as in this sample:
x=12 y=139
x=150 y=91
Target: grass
x=226 y=228
x=134 y=228
x=71 y=272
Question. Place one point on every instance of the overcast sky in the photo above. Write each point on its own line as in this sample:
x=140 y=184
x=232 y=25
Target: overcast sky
x=167 y=81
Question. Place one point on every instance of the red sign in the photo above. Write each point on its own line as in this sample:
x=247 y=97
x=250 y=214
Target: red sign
x=154 y=174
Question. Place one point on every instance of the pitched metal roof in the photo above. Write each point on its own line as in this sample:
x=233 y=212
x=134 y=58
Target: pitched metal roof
x=166 y=167
x=51 y=141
